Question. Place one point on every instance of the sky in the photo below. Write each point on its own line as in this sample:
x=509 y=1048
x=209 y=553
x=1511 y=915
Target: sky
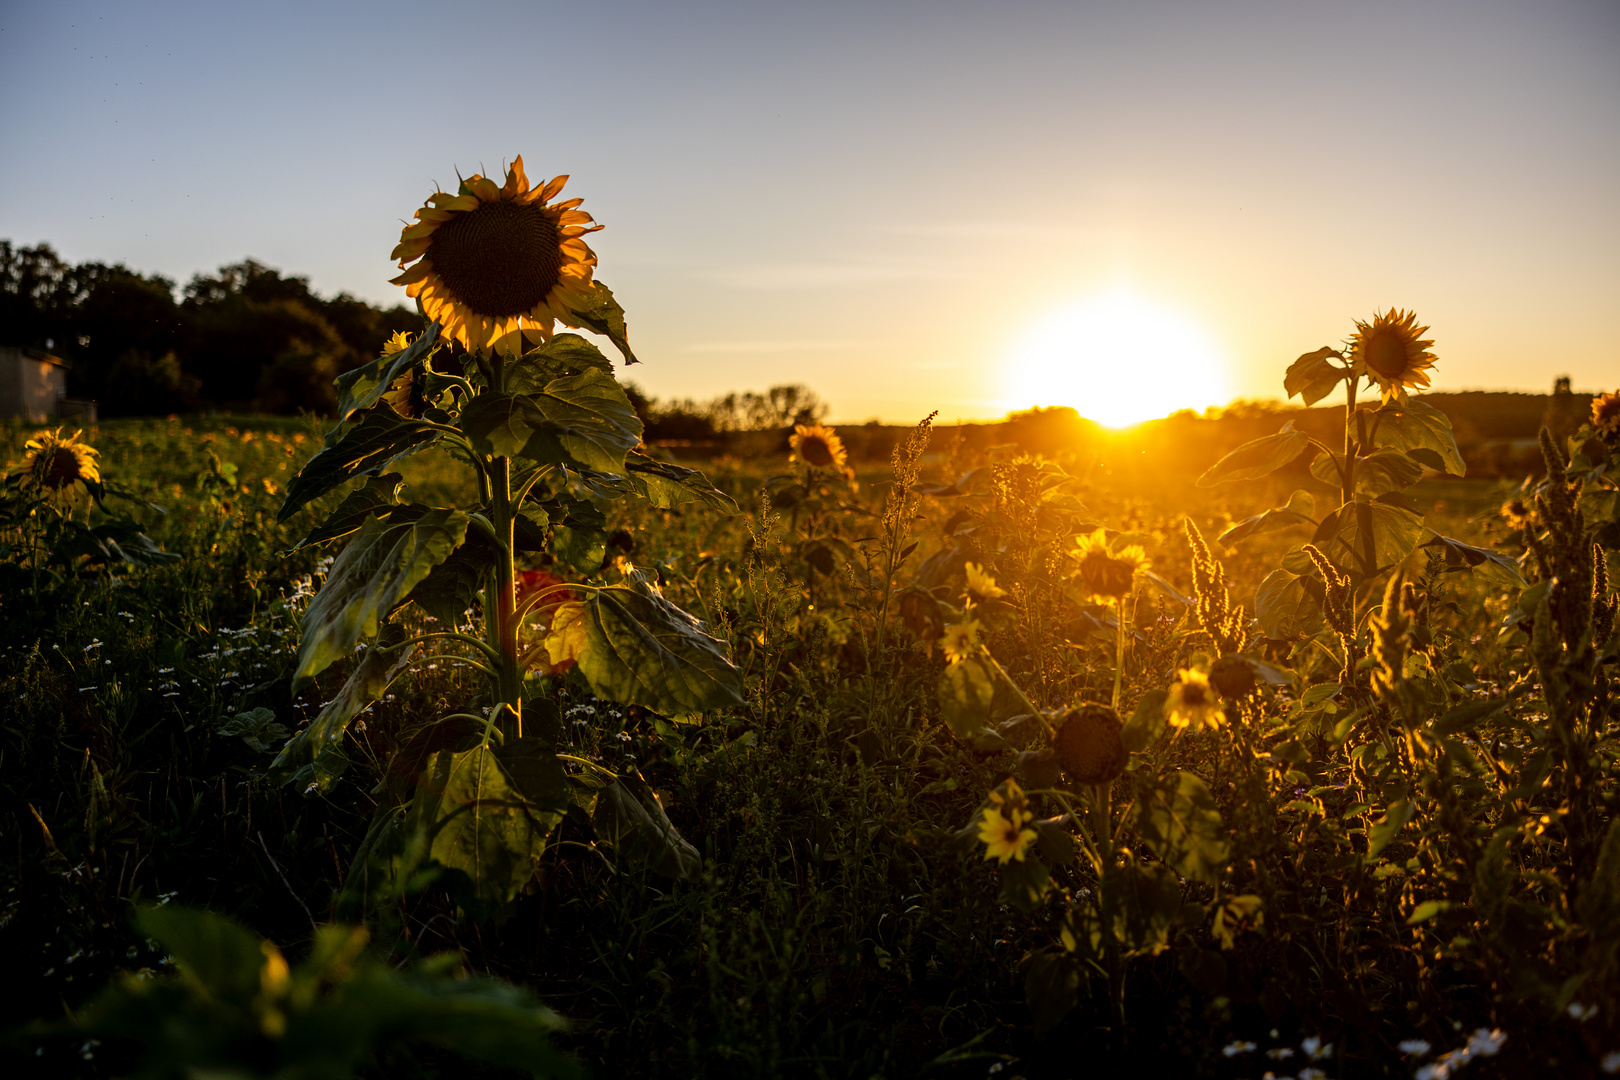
x=906 y=206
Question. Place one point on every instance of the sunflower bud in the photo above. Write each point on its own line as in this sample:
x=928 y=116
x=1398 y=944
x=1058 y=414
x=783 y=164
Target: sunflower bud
x=1232 y=677
x=1088 y=744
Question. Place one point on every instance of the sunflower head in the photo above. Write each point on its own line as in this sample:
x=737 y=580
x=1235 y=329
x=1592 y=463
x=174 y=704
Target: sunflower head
x=1003 y=824
x=1232 y=677
x=1106 y=573
x=819 y=446
x=1192 y=702
x=1392 y=352
x=1606 y=416
x=397 y=342
x=981 y=586
x=961 y=640
x=498 y=264
x=1088 y=744
x=55 y=460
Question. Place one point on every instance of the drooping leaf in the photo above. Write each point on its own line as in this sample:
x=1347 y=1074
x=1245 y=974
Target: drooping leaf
x=564 y=354
x=666 y=485
x=587 y=420
x=118 y=541
x=1257 y=458
x=1051 y=987
x=313 y=758
x=1380 y=472
x=601 y=314
x=362 y=387
x=381 y=437
x=1417 y=426
x=640 y=649
x=455 y=584
x=1178 y=821
x=371 y=577
x=1461 y=556
x=484 y=824
x=630 y=819
x=1287 y=606
x=378 y=495
x=1313 y=376
x=1364 y=538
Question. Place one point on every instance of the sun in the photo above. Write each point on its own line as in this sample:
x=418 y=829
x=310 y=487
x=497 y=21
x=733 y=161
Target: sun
x=1118 y=358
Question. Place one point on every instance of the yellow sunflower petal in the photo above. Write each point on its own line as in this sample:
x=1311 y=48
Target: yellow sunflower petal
x=549 y=192
x=444 y=200
x=410 y=249
x=428 y=213
x=484 y=188
x=574 y=217
x=517 y=182
x=414 y=274
x=419 y=230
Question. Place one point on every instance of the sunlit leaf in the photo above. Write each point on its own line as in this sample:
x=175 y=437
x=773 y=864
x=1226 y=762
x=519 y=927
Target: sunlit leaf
x=1414 y=427
x=1301 y=506
x=1364 y=538
x=971 y=697
x=1380 y=472
x=640 y=649
x=1177 y=820
x=381 y=437
x=1286 y=605
x=1260 y=457
x=379 y=495
x=666 y=485
x=587 y=421
x=1313 y=376
x=1389 y=826
x=365 y=385
x=371 y=577
x=601 y=314
x=564 y=354
x=1461 y=556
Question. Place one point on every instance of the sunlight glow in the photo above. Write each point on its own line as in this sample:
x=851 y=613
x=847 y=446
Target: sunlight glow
x=1119 y=358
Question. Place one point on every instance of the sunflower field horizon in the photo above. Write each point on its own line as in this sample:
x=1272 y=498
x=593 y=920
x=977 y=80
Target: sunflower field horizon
x=406 y=690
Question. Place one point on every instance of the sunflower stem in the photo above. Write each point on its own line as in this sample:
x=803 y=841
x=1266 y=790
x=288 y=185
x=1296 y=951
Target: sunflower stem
x=1119 y=650
x=500 y=598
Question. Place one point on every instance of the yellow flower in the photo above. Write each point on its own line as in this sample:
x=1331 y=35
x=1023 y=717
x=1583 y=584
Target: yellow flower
x=1192 y=702
x=498 y=265
x=819 y=446
x=56 y=460
x=1235 y=914
x=1004 y=835
x=1391 y=351
x=1108 y=574
x=397 y=342
x=980 y=585
x=1606 y=416
x=961 y=640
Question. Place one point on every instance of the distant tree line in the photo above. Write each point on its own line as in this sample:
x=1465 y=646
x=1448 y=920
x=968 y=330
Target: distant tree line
x=245 y=338
x=686 y=420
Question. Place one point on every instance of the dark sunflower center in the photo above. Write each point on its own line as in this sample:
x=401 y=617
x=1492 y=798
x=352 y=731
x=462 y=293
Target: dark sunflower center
x=501 y=259
x=1106 y=576
x=1194 y=695
x=815 y=450
x=1386 y=354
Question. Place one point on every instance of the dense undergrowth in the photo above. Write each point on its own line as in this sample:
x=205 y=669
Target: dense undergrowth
x=1414 y=845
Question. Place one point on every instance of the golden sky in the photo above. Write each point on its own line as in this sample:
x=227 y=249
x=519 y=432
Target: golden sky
x=908 y=206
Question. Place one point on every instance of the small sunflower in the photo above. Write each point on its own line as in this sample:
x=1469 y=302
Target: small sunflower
x=56 y=460
x=819 y=446
x=1106 y=573
x=397 y=342
x=498 y=265
x=1232 y=676
x=980 y=585
x=1606 y=416
x=1192 y=702
x=1392 y=352
x=961 y=640
x=1002 y=825
x=1088 y=745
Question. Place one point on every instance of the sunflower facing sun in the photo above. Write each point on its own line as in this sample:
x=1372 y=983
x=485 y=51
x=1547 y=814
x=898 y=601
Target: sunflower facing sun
x=1392 y=352
x=498 y=265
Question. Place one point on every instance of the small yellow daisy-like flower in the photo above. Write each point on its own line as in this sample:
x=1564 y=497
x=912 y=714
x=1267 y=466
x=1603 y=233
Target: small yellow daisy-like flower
x=961 y=640
x=498 y=265
x=1193 y=702
x=1002 y=824
x=980 y=585
x=819 y=446
x=55 y=460
x=1392 y=352
x=1606 y=416
x=1108 y=574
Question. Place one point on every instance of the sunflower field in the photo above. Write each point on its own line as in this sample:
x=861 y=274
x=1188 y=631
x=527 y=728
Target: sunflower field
x=464 y=732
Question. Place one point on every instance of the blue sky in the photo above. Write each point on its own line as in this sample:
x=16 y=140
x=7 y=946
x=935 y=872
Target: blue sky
x=878 y=199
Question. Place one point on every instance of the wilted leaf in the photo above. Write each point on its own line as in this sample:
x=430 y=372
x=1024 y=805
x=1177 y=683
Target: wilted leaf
x=601 y=314
x=371 y=577
x=1260 y=457
x=630 y=819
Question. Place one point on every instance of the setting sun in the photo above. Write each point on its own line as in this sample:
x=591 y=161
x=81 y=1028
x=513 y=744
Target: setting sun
x=1119 y=358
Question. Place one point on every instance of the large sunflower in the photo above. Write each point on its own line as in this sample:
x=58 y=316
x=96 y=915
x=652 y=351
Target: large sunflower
x=498 y=264
x=1392 y=352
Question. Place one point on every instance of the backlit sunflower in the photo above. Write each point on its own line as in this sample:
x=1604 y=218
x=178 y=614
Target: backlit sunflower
x=1606 y=416
x=56 y=460
x=980 y=585
x=961 y=640
x=1002 y=825
x=1392 y=352
x=498 y=265
x=1105 y=573
x=819 y=446
x=1192 y=702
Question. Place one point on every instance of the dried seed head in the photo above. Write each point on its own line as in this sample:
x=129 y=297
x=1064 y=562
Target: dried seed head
x=1232 y=677
x=1088 y=744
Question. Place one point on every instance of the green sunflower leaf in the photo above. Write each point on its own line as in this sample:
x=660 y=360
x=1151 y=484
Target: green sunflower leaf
x=362 y=387
x=371 y=577
x=1377 y=474
x=564 y=354
x=1257 y=458
x=378 y=495
x=1313 y=376
x=666 y=485
x=380 y=438
x=1461 y=556
x=1287 y=606
x=1416 y=428
x=1364 y=538
x=1177 y=820
x=602 y=314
